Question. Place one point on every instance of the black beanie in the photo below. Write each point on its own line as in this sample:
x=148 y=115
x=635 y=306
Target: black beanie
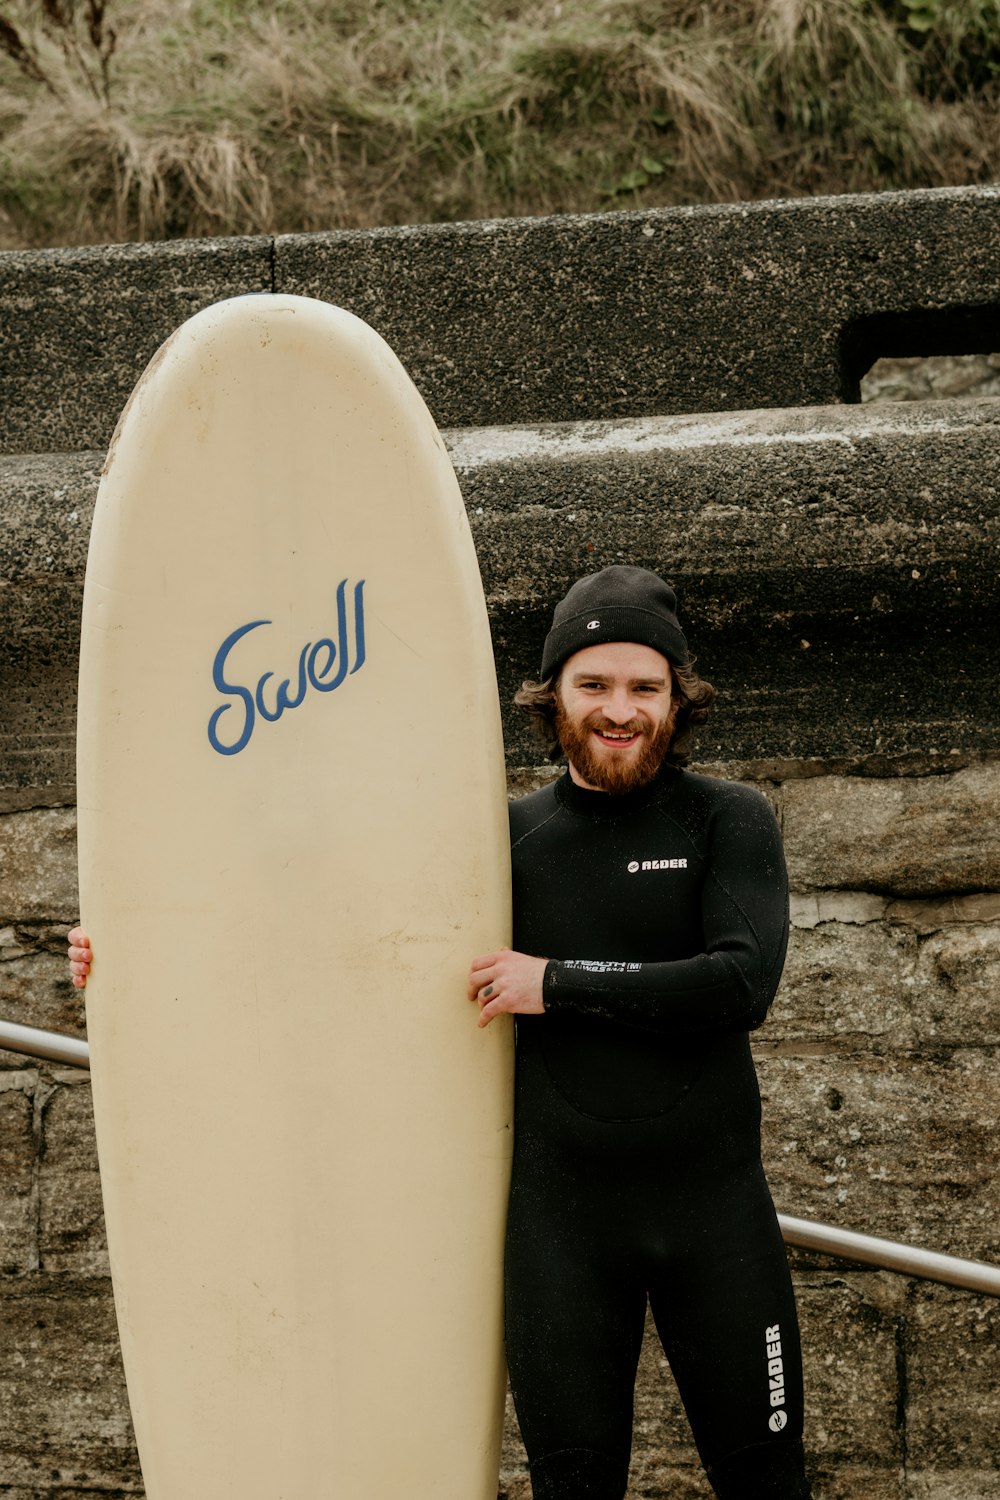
x=617 y=604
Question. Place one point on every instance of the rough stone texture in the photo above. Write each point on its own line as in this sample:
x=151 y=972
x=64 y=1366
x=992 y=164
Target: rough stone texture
x=941 y=377
x=847 y=984
x=40 y=1491
x=953 y=1484
x=900 y=1147
x=33 y=987
x=844 y=546
x=911 y=837
x=514 y=1483
x=851 y=1325
x=671 y=310
x=931 y=916
x=18 y=1194
x=80 y=325
x=957 y=987
x=38 y=865
x=46 y=509
x=64 y=1416
x=71 y=1236
x=883 y=989
x=953 y=1390
x=857 y=1482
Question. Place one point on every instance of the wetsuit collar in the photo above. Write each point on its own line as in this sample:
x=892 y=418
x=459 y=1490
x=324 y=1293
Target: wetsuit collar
x=590 y=804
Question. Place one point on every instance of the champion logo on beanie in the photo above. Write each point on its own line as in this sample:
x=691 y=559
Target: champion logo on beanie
x=620 y=603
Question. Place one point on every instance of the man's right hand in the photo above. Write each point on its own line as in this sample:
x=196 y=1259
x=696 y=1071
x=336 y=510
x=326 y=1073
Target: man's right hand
x=79 y=957
x=506 y=982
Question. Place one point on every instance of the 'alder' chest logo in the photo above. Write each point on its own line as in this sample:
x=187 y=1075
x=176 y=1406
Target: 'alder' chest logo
x=636 y=865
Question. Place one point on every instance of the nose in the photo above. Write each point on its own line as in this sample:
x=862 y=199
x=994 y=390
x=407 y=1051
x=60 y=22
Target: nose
x=618 y=706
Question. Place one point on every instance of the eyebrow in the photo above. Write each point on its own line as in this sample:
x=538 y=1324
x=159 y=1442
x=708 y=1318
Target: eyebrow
x=579 y=677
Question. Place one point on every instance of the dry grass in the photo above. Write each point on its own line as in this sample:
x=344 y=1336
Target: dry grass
x=211 y=116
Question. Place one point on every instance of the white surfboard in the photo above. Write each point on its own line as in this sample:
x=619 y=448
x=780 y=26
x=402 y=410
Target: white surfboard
x=292 y=841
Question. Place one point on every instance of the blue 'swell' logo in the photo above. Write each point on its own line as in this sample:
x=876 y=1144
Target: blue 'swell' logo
x=322 y=665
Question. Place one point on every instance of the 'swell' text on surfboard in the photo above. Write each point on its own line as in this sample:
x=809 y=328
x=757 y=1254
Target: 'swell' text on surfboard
x=322 y=665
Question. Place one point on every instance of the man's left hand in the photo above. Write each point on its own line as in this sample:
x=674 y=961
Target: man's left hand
x=507 y=983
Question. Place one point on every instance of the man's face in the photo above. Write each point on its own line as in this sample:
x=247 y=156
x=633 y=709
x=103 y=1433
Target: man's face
x=615 y=715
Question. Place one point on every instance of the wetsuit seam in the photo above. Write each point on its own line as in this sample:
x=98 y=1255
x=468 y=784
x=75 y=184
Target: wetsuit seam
x=764 y=1443
x=576 y=1448
x=535 y=828
x=669 y=817
x=655 y=1114
x=751 y=925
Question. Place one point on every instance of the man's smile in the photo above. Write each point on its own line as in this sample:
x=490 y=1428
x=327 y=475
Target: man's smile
x=618 y=737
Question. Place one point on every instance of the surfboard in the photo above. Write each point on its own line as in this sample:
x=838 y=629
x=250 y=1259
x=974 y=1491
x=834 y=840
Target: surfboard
x=293 y=839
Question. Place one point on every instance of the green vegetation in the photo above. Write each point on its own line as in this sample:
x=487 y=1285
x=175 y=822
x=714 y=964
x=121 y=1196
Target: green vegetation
x=131 y=119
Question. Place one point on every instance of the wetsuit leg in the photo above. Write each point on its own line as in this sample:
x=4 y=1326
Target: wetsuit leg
x=574 y=1332
x=677 y=1205
x=725 y=1312
x=574 y=1310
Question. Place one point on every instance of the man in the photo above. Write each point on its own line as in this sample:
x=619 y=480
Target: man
x=650 y=924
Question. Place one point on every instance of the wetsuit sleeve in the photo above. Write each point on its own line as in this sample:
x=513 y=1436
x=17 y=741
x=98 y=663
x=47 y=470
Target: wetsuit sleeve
x=728 y=986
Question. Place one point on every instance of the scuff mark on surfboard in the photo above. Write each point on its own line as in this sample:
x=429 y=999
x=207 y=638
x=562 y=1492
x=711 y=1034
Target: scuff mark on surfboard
x=137 y=393
x=397 y=637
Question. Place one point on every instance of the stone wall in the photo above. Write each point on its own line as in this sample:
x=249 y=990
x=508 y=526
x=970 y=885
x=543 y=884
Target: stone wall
x=838 y=573
x=881 y=1095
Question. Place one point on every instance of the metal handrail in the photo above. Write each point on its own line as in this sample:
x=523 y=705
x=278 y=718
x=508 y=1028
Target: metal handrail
x=889 y=1255
x=52 y=1046
x=807 y=1234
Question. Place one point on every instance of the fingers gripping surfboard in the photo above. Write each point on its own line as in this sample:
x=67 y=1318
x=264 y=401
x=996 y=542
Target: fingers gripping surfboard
x=292 y=841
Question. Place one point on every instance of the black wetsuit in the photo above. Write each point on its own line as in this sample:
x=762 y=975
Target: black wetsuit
x=637 y=1169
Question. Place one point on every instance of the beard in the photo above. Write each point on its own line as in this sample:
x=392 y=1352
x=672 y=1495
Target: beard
x=613 y=772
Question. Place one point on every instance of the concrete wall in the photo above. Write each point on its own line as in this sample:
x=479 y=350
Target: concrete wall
x=540 y=320
x=838 y=573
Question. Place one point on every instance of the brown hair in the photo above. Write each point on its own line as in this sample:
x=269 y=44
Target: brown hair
x=692 y=701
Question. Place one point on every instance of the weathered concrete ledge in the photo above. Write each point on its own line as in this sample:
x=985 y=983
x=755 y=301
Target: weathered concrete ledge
x=46 y=510
x=813 y=551
x=80 y=326
x=783 y=303
x=548 y=319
